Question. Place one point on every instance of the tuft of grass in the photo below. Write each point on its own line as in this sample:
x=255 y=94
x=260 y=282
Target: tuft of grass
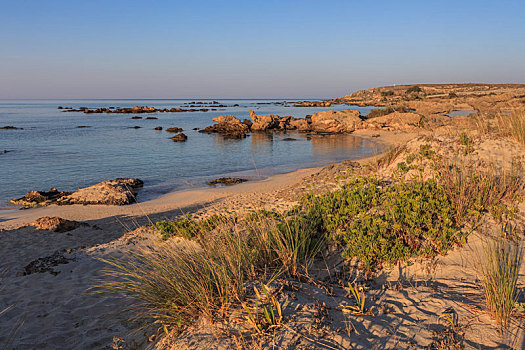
x=473 y=192
x=498 y=268
x=359 y=297
x=513 y=124
x=389 y=157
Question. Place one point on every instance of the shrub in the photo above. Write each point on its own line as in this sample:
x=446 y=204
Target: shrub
x=379 y=112
x=377 y=222
x=187 y=227
x=413 y=89
x=387 y=93
x=452 y=95
x=498 y=268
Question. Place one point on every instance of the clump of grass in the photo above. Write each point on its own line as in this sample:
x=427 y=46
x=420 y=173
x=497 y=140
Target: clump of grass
x=176 y=281
x=389 y=156
x=413 y=89
x=513 y=124
x=466 y=141
x=387 y=93
x=359 y=297
x=498 y=268
x=473 y=192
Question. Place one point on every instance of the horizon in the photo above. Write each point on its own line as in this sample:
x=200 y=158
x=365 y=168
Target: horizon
x=238 y=50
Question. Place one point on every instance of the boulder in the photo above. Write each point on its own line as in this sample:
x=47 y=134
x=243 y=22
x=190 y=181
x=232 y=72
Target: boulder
x=179 y=137
x=395 y=121
x=54 y=223
x=299 y=124
x=336 y=121
x=264 y=122
x=158 y=128
x=120 y=191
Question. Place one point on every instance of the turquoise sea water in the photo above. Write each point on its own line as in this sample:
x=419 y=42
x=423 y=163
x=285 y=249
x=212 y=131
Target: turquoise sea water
x=51 y=151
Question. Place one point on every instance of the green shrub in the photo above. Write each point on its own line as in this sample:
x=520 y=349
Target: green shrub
x=379 y=112
x=378 y=222
x=187 y=228
x=387 y=93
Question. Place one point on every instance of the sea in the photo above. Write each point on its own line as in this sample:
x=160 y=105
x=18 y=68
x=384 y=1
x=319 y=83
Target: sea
x=68 y=150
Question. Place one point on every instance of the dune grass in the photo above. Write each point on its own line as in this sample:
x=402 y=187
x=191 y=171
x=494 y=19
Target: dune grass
x=513 y=124
x=498 y=268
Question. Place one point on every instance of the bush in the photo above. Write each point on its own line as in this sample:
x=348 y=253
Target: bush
x=387 y=93
x=377 y=222
x=413 y=89
x=379 y=112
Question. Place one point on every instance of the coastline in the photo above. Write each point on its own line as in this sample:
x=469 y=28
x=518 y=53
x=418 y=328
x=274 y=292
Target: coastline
x=173 y=204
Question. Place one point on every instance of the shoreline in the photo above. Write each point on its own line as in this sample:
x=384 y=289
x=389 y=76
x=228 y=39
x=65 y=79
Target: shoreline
x=185 y=198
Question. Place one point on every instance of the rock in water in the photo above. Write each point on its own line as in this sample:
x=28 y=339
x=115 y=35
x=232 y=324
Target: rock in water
x=228 y=126
x=120 y=191
x=55 y=223
x=264 y=122
x=36 y=198
x=175 y=129
x=179 y=137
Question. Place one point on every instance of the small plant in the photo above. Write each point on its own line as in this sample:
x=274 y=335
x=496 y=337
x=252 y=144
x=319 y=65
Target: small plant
x=467 y=142
x=359 y=297
x=426 y=151
x=267 y=311
x=498 y=268
x=450 y=316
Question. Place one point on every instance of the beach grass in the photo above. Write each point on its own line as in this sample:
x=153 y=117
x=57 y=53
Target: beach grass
x=513 y=124
x=498 y=268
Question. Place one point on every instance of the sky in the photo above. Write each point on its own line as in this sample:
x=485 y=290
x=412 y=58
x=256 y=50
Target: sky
x=252 y=48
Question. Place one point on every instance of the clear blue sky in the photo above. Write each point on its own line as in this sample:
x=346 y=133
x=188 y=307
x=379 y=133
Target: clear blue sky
x=252 y=49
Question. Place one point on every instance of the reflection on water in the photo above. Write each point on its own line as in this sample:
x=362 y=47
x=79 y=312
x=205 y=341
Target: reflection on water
x=327 y=144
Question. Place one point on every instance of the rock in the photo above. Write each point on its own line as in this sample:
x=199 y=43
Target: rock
x=10 y=127
x=60 y=107
x=299 y=124
x=228 y=126
x=83 y=126
x=179 y=137
x=394 y=121
x=195 y=129
x=36 y=198
x=143 y=109
x=175 y=129
x=336 y=121
x=55 y=223
x=120 y=191
x=264 y=122
x=135 y=127
x=152 y=118
x=289 y=139
x=136 y=117
x=227 y=181
x=158 y=128
x=46 y=264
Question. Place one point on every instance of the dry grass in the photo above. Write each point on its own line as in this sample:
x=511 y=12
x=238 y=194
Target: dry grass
x=498 y=268
x=389 y=157
x=474 y=191
x=513 y=124
x=176 y=281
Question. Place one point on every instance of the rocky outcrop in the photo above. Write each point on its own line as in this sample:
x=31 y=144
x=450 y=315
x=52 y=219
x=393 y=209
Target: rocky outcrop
x=179 y=137
x=120 y=191
x=394 y=121
x=55 y=223
x=39 y=198
x=299 y=125
x=264 y=122
x=228 y=126
x=313 y=104
x=336 y=121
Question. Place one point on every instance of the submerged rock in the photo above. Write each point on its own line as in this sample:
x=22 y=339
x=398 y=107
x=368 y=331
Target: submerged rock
x=158 y=128
x=174 y=129
x=227 y=181
x=10 y=127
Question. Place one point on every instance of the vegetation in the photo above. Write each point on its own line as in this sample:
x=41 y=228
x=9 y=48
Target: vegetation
x=413 y=89
x=387 y=93
x=379 y=112
x=498 y=268
x=267 y=311
x=513 y=124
